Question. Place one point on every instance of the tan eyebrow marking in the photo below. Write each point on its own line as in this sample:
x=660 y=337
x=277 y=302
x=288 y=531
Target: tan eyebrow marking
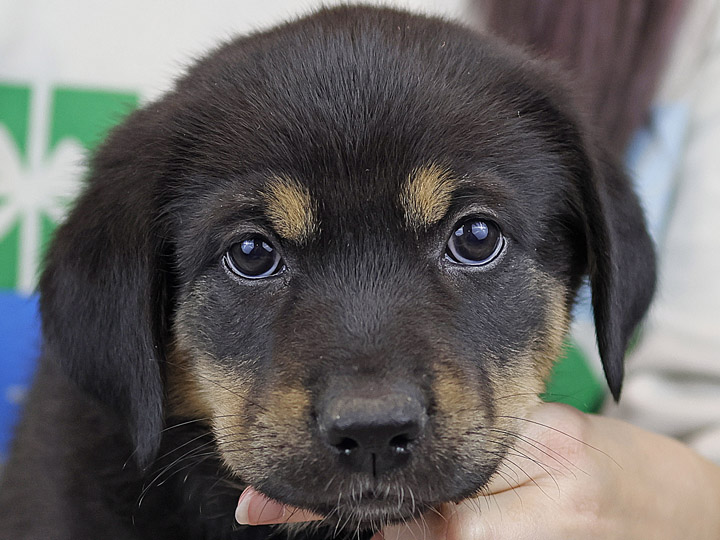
x=290 y=209
x=427 y=194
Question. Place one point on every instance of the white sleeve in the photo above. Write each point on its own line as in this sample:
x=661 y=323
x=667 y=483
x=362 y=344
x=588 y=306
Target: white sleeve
x=673 y=377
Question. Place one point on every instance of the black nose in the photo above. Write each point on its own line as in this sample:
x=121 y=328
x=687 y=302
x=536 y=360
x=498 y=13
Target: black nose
x=373 y=433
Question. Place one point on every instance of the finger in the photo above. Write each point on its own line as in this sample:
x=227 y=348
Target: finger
x=483 y=518
x=254 y=508
x=526 y=512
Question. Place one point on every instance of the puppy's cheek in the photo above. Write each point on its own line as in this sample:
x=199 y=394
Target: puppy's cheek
x=231 y=406
x=277 y=435
x=517 y=390
x=186 y=397
x=480 y=410
x=228 y=397
x=548 y=346
x=463 y=414
x=201 y=389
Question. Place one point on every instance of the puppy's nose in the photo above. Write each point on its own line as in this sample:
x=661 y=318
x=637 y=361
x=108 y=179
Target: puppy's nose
x=373 y=433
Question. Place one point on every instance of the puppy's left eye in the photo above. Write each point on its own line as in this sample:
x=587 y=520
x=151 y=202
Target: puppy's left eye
x=253 y=258
x=475 y=242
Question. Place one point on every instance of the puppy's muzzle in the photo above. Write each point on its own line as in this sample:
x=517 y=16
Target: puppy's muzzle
x=371 y=429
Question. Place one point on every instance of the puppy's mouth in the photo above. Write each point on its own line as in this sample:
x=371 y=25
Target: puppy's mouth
x=373 y=509
x=357 y=501
x=375 y=454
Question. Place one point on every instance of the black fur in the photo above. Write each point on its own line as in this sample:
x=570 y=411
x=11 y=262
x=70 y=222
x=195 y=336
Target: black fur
x=350 y=100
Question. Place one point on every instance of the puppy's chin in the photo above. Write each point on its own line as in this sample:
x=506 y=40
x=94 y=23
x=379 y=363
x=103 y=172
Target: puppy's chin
x=361 y=508
x=369 y=511
x=366 y=512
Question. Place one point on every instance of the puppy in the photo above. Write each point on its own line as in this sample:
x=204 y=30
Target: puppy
x=335 y=263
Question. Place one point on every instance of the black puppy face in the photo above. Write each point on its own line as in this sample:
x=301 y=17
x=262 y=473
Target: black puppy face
x=355 y=242
x=319 y=307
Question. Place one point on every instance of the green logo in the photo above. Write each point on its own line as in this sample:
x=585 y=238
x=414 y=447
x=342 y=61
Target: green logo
x=45 y=136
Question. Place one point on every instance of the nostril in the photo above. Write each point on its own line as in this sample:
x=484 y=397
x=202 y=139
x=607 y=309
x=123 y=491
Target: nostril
x=400 y=443
x=373 y=437
x=346 y=445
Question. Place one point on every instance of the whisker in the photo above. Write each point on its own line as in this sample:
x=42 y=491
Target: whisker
x=532 y=480
x=556 y=430
x=543 y=448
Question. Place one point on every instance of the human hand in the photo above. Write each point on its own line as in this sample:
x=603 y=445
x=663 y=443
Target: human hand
x=571 y=475
x=254 y=508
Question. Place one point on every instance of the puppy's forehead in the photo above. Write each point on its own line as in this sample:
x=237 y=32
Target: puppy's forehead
x=423 y=198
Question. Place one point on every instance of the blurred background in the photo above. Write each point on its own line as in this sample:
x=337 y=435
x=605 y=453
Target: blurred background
x=71 y=70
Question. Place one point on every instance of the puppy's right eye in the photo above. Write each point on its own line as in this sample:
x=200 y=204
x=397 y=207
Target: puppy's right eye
x=475 y=242
x=254 y=258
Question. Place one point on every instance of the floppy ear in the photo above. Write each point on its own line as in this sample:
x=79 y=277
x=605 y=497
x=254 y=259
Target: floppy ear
x=621 y=262
x=102 y=290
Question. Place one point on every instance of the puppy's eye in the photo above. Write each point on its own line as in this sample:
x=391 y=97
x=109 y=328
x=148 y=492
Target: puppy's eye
x=475 y=242
x=254 y=258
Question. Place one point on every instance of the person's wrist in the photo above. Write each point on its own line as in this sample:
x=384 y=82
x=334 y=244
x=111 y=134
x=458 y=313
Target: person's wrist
x=707 y=481
x=673 y=490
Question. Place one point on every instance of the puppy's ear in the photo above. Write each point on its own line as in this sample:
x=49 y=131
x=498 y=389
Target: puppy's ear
x=621 y=261
x=102 y=289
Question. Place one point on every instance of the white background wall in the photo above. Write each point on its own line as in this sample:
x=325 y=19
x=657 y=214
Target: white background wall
x=139 y=44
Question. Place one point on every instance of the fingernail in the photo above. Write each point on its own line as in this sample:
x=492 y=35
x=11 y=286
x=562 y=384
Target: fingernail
x=255 y=509
x=241 y=512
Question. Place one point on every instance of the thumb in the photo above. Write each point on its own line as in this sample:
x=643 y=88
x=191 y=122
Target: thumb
x=254 y=508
